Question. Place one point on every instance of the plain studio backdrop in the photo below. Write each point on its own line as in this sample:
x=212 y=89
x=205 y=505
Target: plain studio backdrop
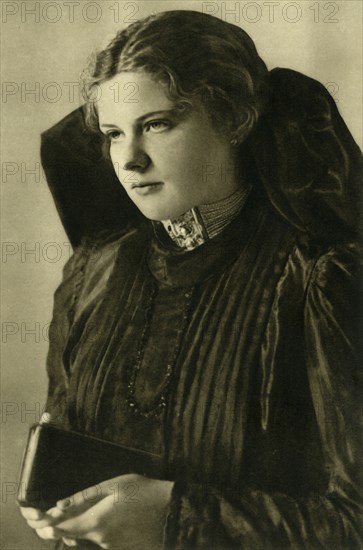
x=45 y=45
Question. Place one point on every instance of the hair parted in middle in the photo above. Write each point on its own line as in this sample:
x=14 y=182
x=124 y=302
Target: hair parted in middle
x=198 y=57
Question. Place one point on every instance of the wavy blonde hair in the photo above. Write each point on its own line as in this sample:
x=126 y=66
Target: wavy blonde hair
x=196 y=56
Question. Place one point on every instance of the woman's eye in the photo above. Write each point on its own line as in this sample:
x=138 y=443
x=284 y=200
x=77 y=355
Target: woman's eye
x=157 y=126
x=114 y=135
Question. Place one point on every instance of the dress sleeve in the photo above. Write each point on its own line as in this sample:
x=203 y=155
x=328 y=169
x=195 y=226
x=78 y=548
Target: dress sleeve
x=84 y=281
x=65 y=301
x=204 y=517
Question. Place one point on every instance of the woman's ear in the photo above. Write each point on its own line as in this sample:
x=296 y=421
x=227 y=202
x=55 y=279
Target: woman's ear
x=245 y=127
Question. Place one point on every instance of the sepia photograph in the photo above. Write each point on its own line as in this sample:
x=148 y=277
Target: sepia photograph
x=182 y=308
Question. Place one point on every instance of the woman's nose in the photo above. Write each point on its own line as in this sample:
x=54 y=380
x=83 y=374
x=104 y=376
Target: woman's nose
x=134 y=157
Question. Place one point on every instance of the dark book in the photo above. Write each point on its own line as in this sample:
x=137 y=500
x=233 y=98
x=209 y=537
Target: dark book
x=58 y=463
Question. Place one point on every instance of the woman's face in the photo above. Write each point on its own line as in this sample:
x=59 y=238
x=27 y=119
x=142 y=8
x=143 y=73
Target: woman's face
x=168 y=161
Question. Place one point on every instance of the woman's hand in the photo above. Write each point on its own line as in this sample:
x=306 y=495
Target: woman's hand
x=35 y=517
x=127 y=511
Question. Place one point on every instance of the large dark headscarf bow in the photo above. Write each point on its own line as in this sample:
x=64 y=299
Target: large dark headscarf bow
x=303 y=156
x=307 y=161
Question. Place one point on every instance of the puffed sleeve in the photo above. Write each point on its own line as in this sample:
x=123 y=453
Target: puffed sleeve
x=203 y=517
x=84 y=282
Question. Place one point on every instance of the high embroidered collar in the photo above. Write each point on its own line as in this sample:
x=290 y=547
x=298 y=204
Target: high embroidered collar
x=204 y=222
x=172 y=265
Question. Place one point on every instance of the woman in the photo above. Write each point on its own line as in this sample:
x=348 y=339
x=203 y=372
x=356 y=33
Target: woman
x=218 y=328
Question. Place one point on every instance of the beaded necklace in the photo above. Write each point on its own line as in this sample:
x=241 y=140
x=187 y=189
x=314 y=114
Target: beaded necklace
x=188 y=232
x=160 y=400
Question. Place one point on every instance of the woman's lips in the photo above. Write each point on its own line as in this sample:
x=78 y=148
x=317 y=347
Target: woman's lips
x=147 y=187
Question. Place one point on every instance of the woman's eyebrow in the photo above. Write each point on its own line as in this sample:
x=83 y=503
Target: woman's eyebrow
x=108 y=125
x=170 y=112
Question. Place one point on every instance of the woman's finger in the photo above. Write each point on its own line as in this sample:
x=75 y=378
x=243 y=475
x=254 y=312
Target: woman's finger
x=92 y=495
x=70 y=507
x=82 y=500
x=79 y=526
x=47 y=533
x=51 y=517
x=69 y=542
x=31 y=513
